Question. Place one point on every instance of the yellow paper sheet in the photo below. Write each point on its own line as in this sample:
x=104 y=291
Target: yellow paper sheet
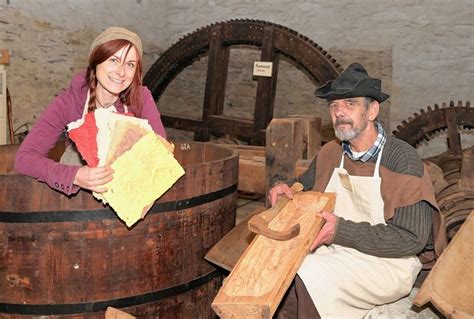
x=142 y=174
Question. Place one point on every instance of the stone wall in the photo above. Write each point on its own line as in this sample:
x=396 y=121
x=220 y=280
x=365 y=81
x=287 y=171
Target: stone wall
x=422 y=49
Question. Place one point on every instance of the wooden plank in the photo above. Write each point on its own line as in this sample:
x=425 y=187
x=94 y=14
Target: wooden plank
x=228 y=250
x=262 y=275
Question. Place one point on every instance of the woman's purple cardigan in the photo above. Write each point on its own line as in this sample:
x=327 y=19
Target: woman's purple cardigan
x=31 y=158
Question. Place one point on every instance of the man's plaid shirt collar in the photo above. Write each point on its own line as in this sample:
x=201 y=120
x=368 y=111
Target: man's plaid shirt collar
x=373 y=151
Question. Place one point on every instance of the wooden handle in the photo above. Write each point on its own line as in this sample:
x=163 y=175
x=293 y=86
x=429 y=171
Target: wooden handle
x=259 y=226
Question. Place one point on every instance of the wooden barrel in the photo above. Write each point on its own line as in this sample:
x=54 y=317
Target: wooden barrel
x=72 y=257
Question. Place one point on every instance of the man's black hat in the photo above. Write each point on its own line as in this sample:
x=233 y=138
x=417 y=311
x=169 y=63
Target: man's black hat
x=353 y=82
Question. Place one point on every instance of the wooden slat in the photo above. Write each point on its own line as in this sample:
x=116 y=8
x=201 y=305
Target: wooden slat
x=262 y=275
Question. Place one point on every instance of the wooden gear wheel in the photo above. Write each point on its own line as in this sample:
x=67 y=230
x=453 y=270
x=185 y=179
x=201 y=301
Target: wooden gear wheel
x=215 y=41
x=456 y=199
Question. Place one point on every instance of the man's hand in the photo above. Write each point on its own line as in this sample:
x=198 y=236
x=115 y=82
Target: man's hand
x=93 y=177
x=277 y=191
x=326 y=234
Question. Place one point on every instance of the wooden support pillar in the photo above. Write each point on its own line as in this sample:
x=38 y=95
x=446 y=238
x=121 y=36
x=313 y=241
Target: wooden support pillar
x=284 y=146
x=311 y=135
x=454 y=138
x=467 y=170
x=266 y=88
x=216 y=80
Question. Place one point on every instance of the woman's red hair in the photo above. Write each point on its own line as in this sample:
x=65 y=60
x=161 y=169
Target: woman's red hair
x=132 y=95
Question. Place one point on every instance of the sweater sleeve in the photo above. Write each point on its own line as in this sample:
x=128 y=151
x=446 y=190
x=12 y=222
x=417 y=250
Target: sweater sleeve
x=32 y=156
x=408 y=232
x=151 y=113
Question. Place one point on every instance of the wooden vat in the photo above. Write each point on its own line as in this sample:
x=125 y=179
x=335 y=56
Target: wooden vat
x=72 y=257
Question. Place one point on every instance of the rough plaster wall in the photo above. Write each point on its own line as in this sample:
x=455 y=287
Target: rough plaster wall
x=429 y=43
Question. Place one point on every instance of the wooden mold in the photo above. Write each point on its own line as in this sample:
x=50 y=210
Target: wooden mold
x=264 y=272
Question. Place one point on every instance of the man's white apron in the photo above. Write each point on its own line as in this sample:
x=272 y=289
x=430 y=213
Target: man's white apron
x=71 y=156
x=343 y=282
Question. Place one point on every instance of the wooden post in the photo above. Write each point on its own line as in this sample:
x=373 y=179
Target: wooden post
x=454 y=138
x=284 y=146
x=266 y=88
x=311 y=135
x=467 y=170
x=216 y=79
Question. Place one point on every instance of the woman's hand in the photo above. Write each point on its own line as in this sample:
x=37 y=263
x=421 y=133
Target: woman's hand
x=93 y=177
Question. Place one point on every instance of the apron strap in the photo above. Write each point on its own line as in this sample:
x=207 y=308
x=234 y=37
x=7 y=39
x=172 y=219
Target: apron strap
x=377 y=164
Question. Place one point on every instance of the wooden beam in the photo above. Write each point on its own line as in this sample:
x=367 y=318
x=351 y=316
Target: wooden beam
x=311 y=134
x=454 y=138
x=182 y=122
x=232 y=126
x=216 y=78
x=266 y=87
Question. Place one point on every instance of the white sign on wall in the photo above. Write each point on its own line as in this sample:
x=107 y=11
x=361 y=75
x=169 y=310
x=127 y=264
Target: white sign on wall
x=262 y=68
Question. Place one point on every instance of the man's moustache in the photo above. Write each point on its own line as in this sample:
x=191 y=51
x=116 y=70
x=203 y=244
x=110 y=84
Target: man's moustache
x=340 y=122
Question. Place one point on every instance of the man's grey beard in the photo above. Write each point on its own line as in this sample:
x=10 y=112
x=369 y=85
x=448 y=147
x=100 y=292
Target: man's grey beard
x=351 y=134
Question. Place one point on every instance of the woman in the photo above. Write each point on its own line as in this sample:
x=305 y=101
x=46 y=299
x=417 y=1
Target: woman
x=112 y=81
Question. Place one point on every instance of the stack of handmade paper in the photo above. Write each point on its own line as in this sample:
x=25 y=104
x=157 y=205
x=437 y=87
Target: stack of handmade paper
x=143 y=162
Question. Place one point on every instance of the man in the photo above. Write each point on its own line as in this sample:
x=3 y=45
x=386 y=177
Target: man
x=366 y=253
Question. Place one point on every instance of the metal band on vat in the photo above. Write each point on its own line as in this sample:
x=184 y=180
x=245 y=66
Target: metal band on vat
x=106 y=213
x=98 y=306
